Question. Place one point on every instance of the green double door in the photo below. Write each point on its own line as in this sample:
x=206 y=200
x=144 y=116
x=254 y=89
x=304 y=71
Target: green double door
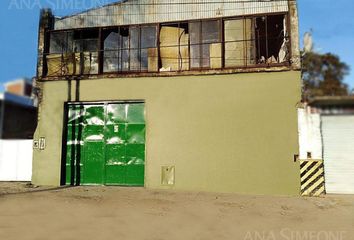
x=105 y=144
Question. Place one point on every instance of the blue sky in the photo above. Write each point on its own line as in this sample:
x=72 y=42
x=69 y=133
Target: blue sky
x=332 y=23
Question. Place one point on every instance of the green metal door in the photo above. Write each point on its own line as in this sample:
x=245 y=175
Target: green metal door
x=92 y=154
x=106 y=144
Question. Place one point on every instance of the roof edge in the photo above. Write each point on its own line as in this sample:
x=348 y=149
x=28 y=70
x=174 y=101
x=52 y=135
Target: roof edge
x=91 y=9
x=332 y=101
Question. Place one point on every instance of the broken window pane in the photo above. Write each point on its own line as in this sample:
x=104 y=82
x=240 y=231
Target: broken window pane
x=90 y=45
x=60 y=61
x=57 y=42
x=271 y=39
x=61 y=42
x=111 y=51
x=183 y=54
x=86 y=51
x=276 y=36
x=90 y=63
x=124 y=49
x=111 y=42
x=110 y=61
x=86 y=41
x=197 y=44
x=261 y=39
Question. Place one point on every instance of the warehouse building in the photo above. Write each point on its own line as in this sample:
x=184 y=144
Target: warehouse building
x=186 y=95
x=326 y=133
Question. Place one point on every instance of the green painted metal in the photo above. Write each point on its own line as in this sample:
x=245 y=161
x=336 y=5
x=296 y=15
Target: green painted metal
x=92 y=156
x=108 y=141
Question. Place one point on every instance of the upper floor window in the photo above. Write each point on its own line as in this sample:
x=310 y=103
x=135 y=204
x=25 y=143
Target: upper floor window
x=73 y=53
x=205 y=44
x=174 y=47
x=130 y=49
x=240 y=46
x=271 y=39
x=194 y=45
x=181 y=46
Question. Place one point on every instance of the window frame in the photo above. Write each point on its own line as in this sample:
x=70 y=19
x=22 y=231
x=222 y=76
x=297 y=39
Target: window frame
x=221 y=40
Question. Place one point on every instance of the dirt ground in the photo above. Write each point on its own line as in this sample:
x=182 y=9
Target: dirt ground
x=134 y=213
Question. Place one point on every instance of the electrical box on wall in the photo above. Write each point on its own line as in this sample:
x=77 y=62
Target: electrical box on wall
x=42 y=143
x=168 y=175
x=35 y=144
x=39 y=144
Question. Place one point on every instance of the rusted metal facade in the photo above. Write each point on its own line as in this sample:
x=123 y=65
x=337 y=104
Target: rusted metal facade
x=157 y=11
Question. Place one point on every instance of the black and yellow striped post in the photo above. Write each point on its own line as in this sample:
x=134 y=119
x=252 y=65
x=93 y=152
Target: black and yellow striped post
x=312 y=177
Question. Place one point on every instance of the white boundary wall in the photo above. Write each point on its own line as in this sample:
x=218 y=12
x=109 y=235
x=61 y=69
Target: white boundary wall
x=310 y=137
x=16 y=160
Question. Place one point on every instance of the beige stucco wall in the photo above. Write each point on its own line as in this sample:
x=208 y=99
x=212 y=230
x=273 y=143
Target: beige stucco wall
x=223 y=133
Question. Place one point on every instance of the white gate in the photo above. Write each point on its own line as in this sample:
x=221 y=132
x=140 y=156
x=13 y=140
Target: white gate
x=16 y=160
x=338 y=150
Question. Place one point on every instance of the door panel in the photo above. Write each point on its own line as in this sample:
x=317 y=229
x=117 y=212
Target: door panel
x=116 y=113
x=135 y=144
x=92 y=159
x=128 y=165
x=115 y=154
x=135 y=133
x=135 y=113
x=109 y=143
x=73 y=144
x=338 y=154
x=92 y=167
x=135 y=154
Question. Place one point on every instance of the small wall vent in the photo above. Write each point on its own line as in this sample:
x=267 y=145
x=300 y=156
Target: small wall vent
x=168 y=175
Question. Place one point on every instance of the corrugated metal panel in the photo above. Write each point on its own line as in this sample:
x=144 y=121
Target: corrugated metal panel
x=154 y=11
x=16 y=160
x=338 y=142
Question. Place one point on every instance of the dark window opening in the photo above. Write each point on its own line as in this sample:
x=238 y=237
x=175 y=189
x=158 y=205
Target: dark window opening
x=111 y=46
x=130 y=49
x=86 y=51
x=271 y=39
x=73 y=53
x=116 y=50
x=61 y=42
x=86 y=41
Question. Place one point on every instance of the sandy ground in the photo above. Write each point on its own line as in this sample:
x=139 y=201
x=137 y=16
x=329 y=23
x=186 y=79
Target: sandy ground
x=134 y=213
